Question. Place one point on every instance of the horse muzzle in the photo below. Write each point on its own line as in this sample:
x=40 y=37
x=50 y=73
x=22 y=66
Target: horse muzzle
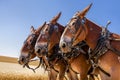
x=40 y=51
x=21 y=60
x=65 y=47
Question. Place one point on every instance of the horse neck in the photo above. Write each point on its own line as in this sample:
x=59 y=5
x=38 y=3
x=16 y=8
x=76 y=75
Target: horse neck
x=94 y=32
x=53 y=42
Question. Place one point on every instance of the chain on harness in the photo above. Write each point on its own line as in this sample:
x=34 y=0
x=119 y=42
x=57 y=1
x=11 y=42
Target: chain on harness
x=100 y=49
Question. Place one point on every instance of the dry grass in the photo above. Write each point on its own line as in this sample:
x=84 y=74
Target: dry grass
x=14 y=60
x=12 y=76
x=9 y=70
x=8 y=59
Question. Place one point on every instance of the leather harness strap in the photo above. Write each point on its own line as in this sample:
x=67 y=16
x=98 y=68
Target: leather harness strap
x=102 y=47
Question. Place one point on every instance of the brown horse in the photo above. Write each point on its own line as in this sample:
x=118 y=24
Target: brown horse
x=28 y=52
x=48 y=45
x=104 y=45
x=78 y=60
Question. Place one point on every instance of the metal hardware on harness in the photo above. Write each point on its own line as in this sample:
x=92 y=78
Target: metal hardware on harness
x=75 y=51
x=108 y=23
x=100 y=49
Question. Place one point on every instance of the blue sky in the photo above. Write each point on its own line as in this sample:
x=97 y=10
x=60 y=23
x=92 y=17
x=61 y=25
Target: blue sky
x=16 y=17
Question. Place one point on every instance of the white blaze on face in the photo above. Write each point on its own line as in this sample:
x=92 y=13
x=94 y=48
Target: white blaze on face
x=24 y=54
x=45 y=28
x=62 y=38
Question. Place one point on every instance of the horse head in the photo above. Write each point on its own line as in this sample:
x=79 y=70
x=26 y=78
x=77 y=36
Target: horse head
x=27 y=50
x=75 y=31
x=49 y=36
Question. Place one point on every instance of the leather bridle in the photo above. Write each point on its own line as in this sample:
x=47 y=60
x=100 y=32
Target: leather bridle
x=77 y=24
x=54 y=57
x=48 y=37
x=32 y=42
x=31 y=52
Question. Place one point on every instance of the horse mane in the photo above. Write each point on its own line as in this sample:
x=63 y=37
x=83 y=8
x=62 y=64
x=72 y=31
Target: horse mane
x=91 y=23
x=114 y=35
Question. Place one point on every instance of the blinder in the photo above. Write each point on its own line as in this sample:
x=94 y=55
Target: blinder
x=34 y=38
x=52 y=27
x=76 y=25
x=32 y=41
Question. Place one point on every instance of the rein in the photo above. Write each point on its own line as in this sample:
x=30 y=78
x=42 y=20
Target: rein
x=26 y=64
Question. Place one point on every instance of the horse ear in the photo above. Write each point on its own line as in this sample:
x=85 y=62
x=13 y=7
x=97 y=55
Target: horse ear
x=40 y=28
x=55 y=19
x=32 y=30
x=84 y=12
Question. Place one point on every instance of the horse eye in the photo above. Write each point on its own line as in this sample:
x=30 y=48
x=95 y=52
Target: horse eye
x=73 y=23
x=31 y=40
x=47 y=29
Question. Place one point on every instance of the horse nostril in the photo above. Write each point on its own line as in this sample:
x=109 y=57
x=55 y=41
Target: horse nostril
x=23 y=59
x=63 y=45
x=38 y=51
